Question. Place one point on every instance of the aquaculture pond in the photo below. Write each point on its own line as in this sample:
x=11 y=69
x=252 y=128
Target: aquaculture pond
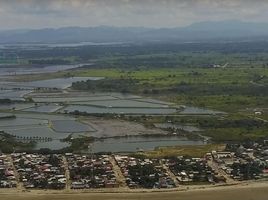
x=126 y=144
x=102 y=99
x=33 y=126
x=70 y=126
x=35 y=132
x=16 y=106
x=19 y=70
x=6 y=115
x=82 y=99
x=44 y=108
x=125 y=103
x=136 y=143
x=60 y=83
x=16 y=95
x=53 y=145
x=18 y=122
x=102 y=110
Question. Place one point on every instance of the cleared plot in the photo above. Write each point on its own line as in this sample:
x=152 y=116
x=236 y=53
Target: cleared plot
x=99 y=110
x=70 y=126
x=114 y=127
x=125 y=103
x=44 y=108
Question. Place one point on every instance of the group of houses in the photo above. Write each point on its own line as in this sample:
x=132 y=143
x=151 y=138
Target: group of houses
x=244 y=162
x=40 y=171
x=144 y=173
x=91 y=171
x=77 y=171
x=7 y=174
x=191 y=170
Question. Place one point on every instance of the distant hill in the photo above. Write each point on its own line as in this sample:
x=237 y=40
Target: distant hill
x=203 y=31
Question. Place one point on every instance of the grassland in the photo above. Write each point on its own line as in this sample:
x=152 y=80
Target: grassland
x=192 y=151
x=228 y=89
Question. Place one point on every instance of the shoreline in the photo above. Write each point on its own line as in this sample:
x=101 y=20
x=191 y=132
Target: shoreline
x=246 y=190
x=181 y=188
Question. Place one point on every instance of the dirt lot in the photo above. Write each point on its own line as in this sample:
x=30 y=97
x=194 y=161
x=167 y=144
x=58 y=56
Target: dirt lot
x=112 y=128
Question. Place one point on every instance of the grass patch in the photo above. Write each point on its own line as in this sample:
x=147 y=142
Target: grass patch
x=192 y=151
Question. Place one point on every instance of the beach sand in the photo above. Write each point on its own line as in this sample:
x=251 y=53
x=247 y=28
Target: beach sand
x=256 y=191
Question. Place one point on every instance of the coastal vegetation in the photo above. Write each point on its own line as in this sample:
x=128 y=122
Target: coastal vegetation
x=9 y=144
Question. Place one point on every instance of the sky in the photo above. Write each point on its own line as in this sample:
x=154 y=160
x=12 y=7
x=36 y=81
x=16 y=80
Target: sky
x=35 y=14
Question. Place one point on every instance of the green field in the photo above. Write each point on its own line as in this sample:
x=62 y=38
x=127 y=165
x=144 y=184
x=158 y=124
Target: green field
x=228 y=89
x=192 y=151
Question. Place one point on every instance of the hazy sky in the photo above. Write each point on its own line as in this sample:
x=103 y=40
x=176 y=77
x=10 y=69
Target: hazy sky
x=148 y=13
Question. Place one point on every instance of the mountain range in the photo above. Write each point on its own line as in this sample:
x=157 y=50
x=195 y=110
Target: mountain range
x=197 y=32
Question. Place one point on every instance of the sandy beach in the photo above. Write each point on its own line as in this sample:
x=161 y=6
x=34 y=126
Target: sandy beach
x=250 y=191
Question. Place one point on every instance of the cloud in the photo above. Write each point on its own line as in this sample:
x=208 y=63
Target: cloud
x=149 y=13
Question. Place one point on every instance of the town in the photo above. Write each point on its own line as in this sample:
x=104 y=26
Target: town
x=238 y=163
